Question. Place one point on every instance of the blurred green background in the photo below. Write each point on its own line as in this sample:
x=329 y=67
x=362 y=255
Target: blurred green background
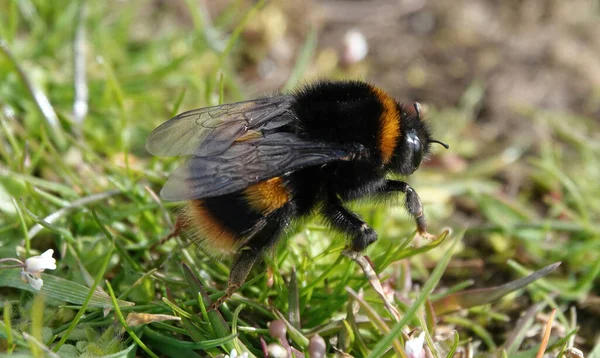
x=513 y=87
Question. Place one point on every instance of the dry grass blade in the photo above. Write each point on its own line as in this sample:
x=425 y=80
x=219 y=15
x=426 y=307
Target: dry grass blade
x=546 y=337
x=39 y=97
x=74 y=205
x=352 y=318
x=410 y=312
x=373 y=280
x=32 y=340
x=377 y=321
x=293 y=301
x=81 y=92
x=158 y=202
x=518 y=334
x=139 y=318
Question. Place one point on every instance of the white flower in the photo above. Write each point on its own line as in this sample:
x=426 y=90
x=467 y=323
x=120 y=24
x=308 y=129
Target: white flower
x=414 y=346
x=34 y=266
x=40 y=263
x=234 y=354
x=35 y=282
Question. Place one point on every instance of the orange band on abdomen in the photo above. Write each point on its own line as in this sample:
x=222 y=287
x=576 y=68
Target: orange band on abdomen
x=267 y=196
x=212 y=235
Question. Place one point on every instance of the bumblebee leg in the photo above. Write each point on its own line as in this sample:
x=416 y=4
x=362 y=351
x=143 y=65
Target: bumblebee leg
x=348 y=222
x=253 y=250
x=179 y=223
x=412 y=203
x=237 y=276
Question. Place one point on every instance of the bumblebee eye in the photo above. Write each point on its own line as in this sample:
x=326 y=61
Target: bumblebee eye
x=414 y=145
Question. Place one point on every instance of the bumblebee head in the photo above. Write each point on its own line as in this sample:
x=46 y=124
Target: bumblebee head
x=414 y=141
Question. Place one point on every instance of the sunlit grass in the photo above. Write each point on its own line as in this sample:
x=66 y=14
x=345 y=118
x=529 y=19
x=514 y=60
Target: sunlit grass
x=86 y=187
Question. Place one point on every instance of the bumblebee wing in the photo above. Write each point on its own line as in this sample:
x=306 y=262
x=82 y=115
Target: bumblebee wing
x=211 y=130
x=246 y=163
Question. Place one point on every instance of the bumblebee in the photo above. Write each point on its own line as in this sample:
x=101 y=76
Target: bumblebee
x=252 y=167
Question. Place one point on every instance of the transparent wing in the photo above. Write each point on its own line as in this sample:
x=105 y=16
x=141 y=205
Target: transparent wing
x=211 y=130
x=245 y=163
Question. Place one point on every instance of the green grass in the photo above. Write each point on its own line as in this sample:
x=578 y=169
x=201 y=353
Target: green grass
x=86 y=187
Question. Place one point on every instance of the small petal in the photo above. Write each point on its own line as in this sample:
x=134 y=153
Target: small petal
x=414 y=346
x=234 y=354
x=48 y=254
x=40 y=263
x=106 y=311
x=35 y=282
x=24 y=276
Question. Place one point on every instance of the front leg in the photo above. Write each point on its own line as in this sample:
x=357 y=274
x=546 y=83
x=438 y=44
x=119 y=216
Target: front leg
x=412 y=203
x=349 y=223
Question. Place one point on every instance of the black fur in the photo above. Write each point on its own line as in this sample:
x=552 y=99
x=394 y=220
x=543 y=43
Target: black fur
x=233 y=213
x=344 y=112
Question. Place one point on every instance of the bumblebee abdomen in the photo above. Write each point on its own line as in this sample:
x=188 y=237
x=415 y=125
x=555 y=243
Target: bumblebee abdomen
x=225 y=223
x=209 y=228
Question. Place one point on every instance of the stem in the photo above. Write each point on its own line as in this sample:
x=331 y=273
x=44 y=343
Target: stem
x=10 y=259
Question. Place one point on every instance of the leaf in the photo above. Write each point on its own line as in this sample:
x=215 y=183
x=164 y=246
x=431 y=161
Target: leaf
x=179 y=344
x=59 y=289
x=122 y=354
x=220 y=327
x=481 y=296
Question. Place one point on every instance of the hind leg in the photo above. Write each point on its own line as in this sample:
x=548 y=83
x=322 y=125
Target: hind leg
x=177 y=229
x=238 y=274
x=250 y=254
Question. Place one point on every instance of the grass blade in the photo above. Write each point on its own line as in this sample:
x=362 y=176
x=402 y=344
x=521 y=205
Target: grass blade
x=477 y=297
x=409 y=314
x=60 y=289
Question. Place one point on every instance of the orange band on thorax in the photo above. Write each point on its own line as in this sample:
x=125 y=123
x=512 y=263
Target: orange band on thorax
x=390 y=125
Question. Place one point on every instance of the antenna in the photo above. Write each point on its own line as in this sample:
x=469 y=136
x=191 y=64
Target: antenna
x=417 y=107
